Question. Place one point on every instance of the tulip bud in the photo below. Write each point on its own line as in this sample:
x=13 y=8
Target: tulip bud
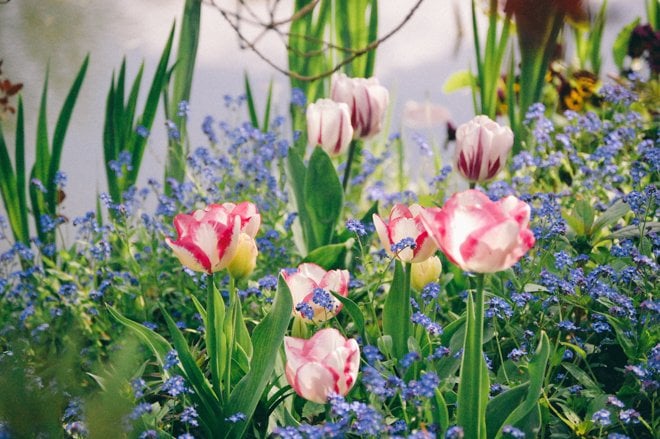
x=482 y=146
x=367 y=100
x=326 y=363
x=245 y=258
x=425 y=272
x=329 y=126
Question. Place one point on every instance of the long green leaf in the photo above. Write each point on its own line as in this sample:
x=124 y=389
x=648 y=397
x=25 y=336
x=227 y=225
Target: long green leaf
x=21 y=173
x=207 y=401
x=296 y=172
x=150 y=107
x=500 y=407
x=216 y=345
x=536 y=370
x=158 y=345
x=267 y=339
x=353 y=310
x=8 y=190
x=252 y=111
x=324 y=198
x=60 y=132
x=396 y=311
x=473 y=386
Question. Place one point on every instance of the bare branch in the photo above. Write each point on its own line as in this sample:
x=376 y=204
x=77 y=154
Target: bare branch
x=236 y=18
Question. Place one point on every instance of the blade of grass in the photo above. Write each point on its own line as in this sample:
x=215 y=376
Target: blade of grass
x=60 y=133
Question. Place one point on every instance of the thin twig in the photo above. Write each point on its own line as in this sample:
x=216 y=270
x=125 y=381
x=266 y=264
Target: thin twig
x=274 y=26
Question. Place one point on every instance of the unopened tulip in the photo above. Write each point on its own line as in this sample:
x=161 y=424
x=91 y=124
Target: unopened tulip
x=325 y=364
x=245 y=257
x=405 y=224
x=480 y=235
x=329 y=126
x=482 y=147
x=367 y=100
x=207 y=238
x=423 y=273
x=310 y=288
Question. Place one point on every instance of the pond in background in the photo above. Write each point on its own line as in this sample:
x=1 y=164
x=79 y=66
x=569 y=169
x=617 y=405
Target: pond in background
x=413 y=64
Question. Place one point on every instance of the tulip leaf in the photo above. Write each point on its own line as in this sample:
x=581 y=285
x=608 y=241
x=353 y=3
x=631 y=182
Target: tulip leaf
x=613 y=214
x=156 y=342
x=297 y=171
x=330 y=257
x=473 y=388
x=536 y=370
x=206 y=400
x=440 y=412
x=396 y=311
x=214 y=319
x=354 y=311
x=500 y=406
x=267 y=339
x=324 y=198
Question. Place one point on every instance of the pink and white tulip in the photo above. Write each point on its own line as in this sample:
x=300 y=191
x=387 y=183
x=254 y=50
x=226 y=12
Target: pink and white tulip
x=248 y=214
x=308 y=278
x=480 y=235
x=329 y=126
x=404 y=223
x=207 y=238
x=482 y=147
x=367 y=100
x=326 y=363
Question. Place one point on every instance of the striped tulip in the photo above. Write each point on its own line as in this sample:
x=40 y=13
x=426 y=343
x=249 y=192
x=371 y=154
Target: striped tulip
x=405 y=223
x=329 y=126
x=480 y=235
x=482 y=146
x=310 y=277
x=207 y=238
x=367 y=100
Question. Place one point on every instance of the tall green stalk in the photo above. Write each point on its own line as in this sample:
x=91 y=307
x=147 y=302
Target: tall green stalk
x=473 y=385
x=175 y=166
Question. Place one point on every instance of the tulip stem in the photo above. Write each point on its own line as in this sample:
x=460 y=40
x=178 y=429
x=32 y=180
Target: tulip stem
x=231 y=332
x=349 y=164
x=211 y=344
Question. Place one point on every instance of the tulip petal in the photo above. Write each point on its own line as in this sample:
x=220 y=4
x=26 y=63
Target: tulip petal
x=315 y=381
x=190 y=255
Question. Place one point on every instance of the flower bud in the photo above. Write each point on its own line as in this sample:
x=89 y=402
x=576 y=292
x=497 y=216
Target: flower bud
x=367 y=101
x=425 y=272
x=329 y=126
x=245 y=258
x=482 y=146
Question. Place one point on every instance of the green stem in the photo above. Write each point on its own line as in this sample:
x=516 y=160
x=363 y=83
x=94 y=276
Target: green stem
x=211 y=346
x=230 y=331
x=406 y=309
x=349 y=164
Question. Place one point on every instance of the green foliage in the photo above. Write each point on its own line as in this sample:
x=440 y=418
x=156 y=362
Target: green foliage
x=181 y=85
x=126 y=133
x=396 y=310
x=43 y=189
